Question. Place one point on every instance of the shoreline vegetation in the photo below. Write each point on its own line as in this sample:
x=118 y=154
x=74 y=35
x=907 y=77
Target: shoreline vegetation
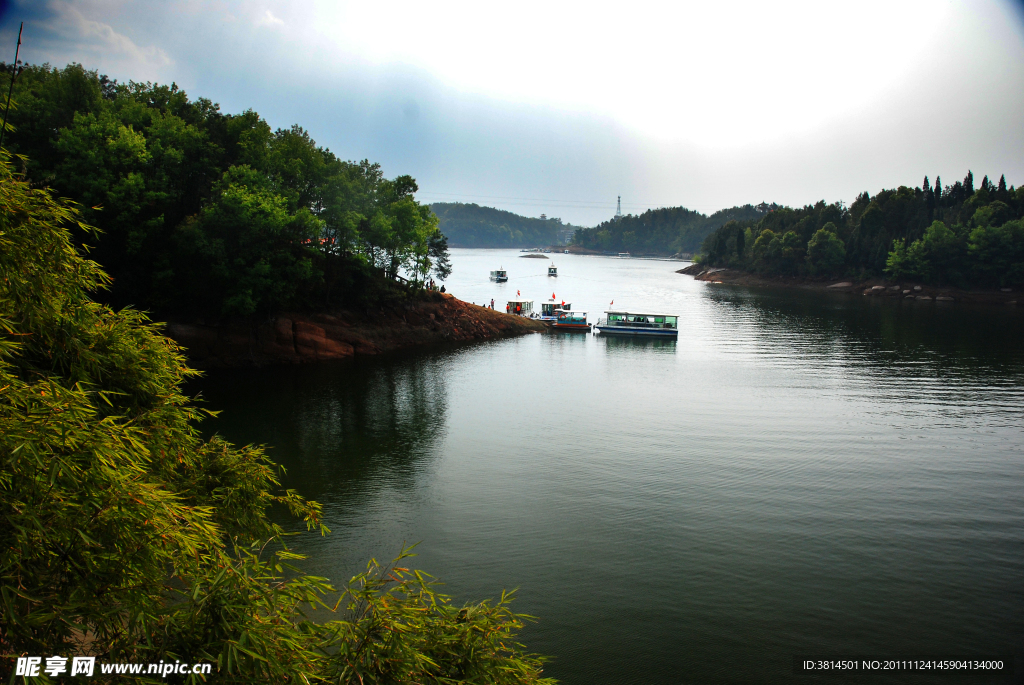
x=129 y=536
x=871 y=287
x=953 y=237
x=470 y=225
x=660 y=232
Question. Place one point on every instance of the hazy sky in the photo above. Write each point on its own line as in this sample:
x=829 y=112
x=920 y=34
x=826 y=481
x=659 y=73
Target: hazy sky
x=560 y=107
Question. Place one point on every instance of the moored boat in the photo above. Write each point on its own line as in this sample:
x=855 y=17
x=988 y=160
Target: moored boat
x=550 y=310
x=521 y=307
x=571 y=321
x=499 y=276
x=630 y=323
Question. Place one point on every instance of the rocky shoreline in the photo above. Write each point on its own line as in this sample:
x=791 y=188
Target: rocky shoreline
x=298 y=338
x=875 y=287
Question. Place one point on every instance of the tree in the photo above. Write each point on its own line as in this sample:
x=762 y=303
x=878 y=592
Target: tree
x=826 y=253
x=438 y=254
x=129 y=536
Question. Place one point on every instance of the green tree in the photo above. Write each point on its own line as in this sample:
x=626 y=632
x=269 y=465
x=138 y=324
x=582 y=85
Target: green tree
x=129 y=536
x=826 y=253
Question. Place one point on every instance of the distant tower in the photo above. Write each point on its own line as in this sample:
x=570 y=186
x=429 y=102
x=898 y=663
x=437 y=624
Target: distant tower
x=618 y=209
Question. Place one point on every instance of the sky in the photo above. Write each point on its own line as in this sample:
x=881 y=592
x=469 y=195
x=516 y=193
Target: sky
x=559 y=108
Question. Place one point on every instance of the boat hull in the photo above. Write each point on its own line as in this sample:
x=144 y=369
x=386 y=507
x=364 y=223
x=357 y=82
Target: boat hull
x=653 y=332
x=570 y=326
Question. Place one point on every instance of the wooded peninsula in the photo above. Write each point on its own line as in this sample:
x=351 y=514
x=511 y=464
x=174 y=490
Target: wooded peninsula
x=955 y=235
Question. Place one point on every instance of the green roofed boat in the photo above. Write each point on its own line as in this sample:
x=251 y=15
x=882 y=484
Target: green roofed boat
x=630 y=323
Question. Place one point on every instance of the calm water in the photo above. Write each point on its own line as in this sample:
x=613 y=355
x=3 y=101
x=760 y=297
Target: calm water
x=801 y=473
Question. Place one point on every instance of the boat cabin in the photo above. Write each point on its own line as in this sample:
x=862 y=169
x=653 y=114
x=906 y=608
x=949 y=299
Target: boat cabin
x=520 y=306
x=632 y=323
x=499 y=276
x=552 y=270
x=552 y=308
x=573 y=321
x=631 y=320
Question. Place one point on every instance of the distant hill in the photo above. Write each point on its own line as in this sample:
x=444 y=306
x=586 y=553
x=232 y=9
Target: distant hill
x=470 y=225
x=662 y=231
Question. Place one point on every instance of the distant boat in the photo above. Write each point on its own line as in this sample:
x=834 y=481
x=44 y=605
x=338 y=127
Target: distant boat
x=623 y=255
x=552 y=270
x=499 y=276
x=566 y=252
x=629 y=323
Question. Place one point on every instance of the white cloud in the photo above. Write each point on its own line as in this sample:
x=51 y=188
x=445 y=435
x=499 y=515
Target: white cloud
x=109 y=39
x=269 y=19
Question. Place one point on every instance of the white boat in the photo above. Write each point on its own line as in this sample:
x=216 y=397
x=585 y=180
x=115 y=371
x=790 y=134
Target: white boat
x=550 y=310
x=630 y=323
x=520 y=306
x=552 y=270
x=499 y=276
x=623 y=255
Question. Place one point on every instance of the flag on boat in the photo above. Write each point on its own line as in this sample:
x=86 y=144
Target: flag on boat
x=613 y=302
x=552 y=296
x=517 y=293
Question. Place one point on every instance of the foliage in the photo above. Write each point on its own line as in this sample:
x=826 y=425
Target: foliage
x=954 y=235
x=659 y=231
x=130 y=537
x=826 y=253
x=470 y=225
x=205 y=212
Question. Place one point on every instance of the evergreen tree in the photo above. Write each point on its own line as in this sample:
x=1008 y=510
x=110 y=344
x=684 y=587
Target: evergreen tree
x=969 y=184
x=1002 y=186
x=938 y=188
x=926 y=186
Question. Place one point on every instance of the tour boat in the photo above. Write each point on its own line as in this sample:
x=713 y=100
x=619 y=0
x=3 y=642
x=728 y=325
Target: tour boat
x=571 y=321
x=550 y=310
x=499 y=276
x=630 y=323
x=521 y=307
x=552 y=270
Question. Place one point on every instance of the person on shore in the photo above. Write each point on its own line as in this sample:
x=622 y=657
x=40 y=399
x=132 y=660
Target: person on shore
x=492 y=303
x=442 y=288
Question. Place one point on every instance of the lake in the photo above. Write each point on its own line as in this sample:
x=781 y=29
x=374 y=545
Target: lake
x=801 y=473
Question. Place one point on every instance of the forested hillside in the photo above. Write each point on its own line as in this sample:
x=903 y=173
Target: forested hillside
x=470 y=225
x=659 y=231
x=206 y=212
x=945 y=235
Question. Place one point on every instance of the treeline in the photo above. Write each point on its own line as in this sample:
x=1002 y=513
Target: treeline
x=206 y=212
x=659 y=231
x=130 y=536
x=944 y=235
x=470 y=225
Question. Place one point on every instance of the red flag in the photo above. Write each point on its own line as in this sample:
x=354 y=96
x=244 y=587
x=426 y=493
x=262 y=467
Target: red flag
x=563 y=303
x=517 y=293
x=613 y=302
x=552 y=296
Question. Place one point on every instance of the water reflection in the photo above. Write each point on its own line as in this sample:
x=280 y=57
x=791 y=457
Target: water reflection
x=359 y=424
x=615 y=344
x=914 y=336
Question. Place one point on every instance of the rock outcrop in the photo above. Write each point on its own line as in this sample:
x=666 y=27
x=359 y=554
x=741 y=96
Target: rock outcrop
x=295 y=338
